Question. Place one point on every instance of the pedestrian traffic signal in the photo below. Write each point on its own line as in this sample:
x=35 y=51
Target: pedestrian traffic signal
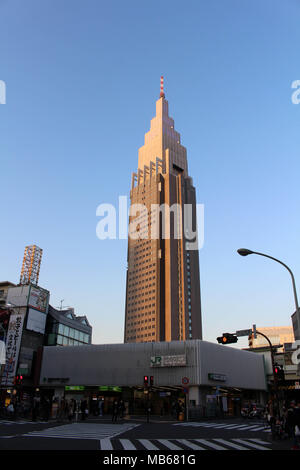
x=227 y=338
x=18 y=380
x=279 y=372
x=146 y=380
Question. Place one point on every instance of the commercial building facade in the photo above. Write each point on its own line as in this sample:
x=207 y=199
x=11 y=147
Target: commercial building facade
x=207 y=371
x=29 y=323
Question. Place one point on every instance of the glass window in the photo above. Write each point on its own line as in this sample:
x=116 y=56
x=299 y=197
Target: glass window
x=59 y=339
x=81 y=336
x=61 y=329
x=86 y=338
x=72 y=333
x=71 y=342
x=67 y=331
x=76 y=334
x=65 y=341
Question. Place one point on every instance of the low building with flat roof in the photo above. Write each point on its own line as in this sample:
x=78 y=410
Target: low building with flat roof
x=207 y=373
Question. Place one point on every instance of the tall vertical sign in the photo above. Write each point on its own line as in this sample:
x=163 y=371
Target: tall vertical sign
x=13 y=342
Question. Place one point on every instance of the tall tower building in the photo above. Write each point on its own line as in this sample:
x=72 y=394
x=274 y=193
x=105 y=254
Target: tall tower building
x=163 y=284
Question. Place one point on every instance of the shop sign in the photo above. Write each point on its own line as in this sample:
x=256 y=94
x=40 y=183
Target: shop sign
x=168 y=361
x=217 y=377
x=13 y=342
x=74 y=387
x=105 y=388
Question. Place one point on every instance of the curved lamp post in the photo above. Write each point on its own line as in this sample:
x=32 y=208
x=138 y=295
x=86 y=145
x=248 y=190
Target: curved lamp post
x=246 y=252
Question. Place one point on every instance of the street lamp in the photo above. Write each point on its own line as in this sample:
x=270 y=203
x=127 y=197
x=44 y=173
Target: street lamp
x=246 y=252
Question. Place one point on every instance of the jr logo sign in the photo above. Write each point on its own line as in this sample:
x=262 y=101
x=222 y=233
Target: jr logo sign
x=156 y=361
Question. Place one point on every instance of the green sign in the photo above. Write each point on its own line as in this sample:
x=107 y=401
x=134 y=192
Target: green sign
x=74 y=387
x=106 y=388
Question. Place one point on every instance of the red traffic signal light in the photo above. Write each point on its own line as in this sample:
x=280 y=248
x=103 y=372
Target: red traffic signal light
x=18 y=380
x=279 y=372
x=151 y=380
x=146 y=380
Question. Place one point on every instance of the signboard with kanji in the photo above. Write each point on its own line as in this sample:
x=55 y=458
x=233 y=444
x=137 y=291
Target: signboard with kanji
x=13 y=342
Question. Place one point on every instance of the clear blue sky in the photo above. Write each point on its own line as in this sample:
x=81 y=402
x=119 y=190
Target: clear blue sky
x=82 y=79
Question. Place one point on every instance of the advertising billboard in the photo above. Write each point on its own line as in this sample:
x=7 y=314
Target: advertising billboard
x=36 y=321
x=13 y=342
x=38 y=299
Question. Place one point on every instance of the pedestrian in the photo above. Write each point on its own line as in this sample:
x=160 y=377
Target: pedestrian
x=289 y=420
x=11 y=410
x=70 y=410
x=83 y=409
x=35 y=408
x=115 y=411
x=100 y=407
x=47 y=407
x=296 y=423
x=121 y=409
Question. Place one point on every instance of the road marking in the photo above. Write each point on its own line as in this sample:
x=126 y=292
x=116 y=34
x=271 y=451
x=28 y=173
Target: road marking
x=250 y=444
x=191 y=445
x=127 y=444
x=105 y=444
x=259 y=441
x=169 y=444
x=230 y=444
x=210 y=444
x=147 y=444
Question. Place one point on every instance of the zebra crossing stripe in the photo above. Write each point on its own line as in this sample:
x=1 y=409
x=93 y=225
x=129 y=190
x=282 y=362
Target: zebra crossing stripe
x=127 y=444
x=191 y=445
x=259 y=428
x=210 y=444
x=231 y=444
x=259 y=441
x=105 y=444
x=147 y=444
x=250 y=444
x=169 y=444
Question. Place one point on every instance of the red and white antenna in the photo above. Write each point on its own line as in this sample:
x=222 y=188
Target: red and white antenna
x=162 y=95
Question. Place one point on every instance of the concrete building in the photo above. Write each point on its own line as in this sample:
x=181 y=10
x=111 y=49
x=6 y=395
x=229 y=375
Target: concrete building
x=163 y=286
x=64 y=328
x=4 y=286
x=278 y=335
x=209 y=372
x=31 y=323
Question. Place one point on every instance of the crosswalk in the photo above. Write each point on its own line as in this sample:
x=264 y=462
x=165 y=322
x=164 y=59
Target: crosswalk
x=10 y=423
x=226 y=426
x=83 y=431
x=183 y=444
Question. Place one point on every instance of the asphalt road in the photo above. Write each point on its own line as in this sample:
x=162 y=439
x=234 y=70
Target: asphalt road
x=138 y=435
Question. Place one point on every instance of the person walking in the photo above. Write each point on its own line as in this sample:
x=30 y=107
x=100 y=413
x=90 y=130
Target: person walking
x=121 y=409
x=115 y=411
x=100 y=407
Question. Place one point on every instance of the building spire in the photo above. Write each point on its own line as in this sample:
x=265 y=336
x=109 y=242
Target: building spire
x=162 y=95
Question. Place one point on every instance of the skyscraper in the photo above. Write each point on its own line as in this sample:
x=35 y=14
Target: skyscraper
x=163 y=284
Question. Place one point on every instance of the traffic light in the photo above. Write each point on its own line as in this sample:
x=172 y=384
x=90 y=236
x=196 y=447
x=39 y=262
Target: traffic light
x=146 y=380
x=18 y=380
x=151 y=380
x=227 y=338
x=279 y=372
